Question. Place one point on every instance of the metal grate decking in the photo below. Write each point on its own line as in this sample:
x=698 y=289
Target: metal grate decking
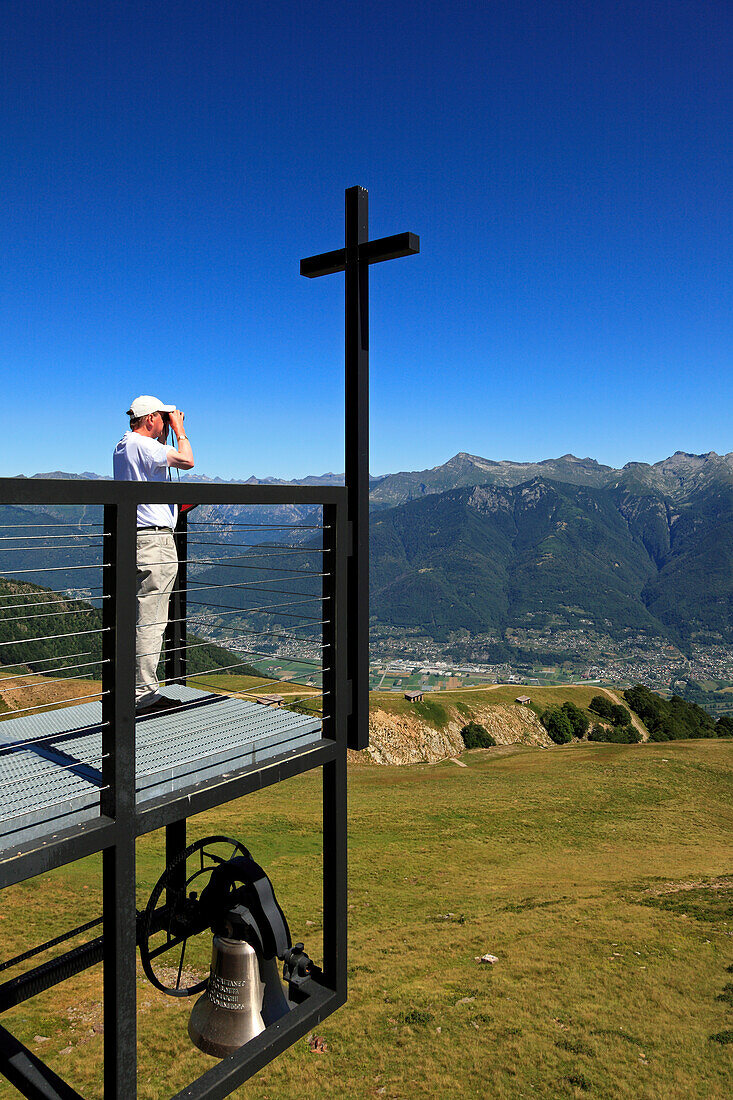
x=54 y=782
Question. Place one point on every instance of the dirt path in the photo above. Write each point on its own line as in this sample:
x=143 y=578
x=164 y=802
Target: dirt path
x=635 y=720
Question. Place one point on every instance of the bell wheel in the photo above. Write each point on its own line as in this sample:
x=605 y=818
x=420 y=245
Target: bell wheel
x=174 y=951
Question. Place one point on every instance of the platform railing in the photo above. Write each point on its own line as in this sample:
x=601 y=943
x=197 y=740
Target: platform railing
x=122 y=819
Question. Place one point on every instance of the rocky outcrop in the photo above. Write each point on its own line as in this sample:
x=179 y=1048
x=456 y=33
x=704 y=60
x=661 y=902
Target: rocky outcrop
x=408 y=739
x=405 y=739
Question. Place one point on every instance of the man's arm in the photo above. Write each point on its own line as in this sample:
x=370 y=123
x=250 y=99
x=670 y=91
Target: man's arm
x=181 y=459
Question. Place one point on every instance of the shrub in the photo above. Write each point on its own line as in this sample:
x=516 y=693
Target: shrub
x=557 y=724
x=476 y=736
x=602 y=705
x=619 y=735
x=579 y=721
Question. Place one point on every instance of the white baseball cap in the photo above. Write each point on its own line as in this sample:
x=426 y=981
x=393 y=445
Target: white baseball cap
x=146 y=404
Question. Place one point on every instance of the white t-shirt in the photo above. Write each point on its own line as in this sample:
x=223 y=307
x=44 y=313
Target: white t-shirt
x=139 y=458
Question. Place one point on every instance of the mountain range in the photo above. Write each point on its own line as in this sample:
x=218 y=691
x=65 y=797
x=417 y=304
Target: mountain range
x=495 y=547
x=677 y=477
x=566 y=544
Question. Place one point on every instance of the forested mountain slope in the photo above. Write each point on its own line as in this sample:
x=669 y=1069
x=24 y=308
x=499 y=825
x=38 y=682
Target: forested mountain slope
x=621 y=557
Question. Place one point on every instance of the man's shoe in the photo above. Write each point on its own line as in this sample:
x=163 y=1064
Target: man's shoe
x=162 y=703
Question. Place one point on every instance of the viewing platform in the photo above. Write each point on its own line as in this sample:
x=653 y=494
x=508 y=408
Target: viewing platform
x=51 y=762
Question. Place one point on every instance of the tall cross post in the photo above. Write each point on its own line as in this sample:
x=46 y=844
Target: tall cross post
x=354 y=259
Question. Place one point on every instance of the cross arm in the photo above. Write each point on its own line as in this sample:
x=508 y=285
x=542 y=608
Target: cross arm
x=371 y=252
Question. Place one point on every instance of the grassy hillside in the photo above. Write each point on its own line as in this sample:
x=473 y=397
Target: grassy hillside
x=434 y=709
x=599 y=875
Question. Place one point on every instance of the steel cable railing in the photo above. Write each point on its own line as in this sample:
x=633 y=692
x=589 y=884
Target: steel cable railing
x=46 y=672
x=247 y=635
x=288 y=635
x=48 y=637
x=41 y=665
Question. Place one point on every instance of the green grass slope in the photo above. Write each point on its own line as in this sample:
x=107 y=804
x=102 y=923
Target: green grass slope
x=599 y=876
x=434 y=710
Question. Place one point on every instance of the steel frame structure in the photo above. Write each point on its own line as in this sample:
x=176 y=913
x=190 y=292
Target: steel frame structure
x=345 y=724
x=122 y=821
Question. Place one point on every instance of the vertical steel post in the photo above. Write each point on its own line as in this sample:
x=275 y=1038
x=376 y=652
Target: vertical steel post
x=175 y=673
x=335 y=837
x=175 y=632
x=117 y=800
x=357 y=461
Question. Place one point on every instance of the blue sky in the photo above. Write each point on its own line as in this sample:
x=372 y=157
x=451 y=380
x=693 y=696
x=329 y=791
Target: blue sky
x=165 y=166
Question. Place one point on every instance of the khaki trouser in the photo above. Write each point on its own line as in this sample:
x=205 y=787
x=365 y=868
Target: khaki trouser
x=157 y=566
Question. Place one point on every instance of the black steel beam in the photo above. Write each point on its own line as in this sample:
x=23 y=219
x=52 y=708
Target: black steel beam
x=389 y=248
x=214 y=792
x=35 y=857
x=42 y=491
x=51 y=973
x=175 y=634
x=31 y=1077
x=221 y=1080
x=327 y=263
x=357 y=464
x=370 y=252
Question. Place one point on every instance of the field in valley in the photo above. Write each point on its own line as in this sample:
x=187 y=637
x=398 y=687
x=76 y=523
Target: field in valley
x=600 y=875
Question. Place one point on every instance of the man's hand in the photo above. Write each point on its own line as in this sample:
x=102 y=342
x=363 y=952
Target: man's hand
x=176 y=422
x=182 y=458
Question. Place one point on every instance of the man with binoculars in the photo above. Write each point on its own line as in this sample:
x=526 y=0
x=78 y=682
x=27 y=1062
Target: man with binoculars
x=142 y=455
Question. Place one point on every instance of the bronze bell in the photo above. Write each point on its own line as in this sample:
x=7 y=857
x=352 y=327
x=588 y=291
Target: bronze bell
x=229 y=1011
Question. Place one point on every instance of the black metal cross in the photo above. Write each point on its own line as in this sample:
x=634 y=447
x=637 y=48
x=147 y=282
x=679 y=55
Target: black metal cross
x=355 y=259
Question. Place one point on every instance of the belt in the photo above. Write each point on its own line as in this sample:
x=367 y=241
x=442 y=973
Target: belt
x=156 y=529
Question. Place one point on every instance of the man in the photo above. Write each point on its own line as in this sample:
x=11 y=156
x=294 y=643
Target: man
x=142 y=455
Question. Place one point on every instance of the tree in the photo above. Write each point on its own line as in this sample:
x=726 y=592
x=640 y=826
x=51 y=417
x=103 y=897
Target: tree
x=578 y=720
x=619 y=715
x=601 y=705
x=557 y=724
